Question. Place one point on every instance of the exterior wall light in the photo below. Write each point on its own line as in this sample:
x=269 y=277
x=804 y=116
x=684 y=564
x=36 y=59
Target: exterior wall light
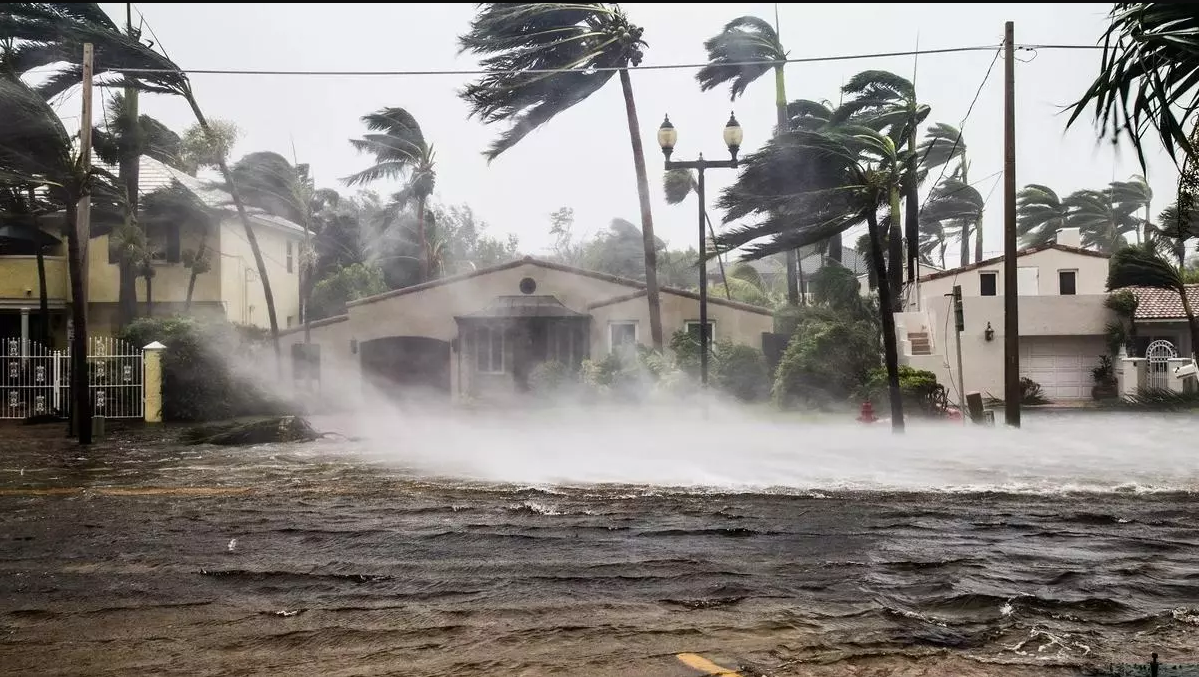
x=989 y=333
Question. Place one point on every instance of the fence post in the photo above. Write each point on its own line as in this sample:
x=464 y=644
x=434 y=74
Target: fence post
x=152 y=381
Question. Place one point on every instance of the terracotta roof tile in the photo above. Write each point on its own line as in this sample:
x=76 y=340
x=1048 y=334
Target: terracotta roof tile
x=1164 y=304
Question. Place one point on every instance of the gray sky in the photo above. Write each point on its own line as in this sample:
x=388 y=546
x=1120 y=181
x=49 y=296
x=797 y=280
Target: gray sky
x=582 y=158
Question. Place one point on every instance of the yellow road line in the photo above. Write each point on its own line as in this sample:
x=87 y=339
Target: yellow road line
x=698 y=662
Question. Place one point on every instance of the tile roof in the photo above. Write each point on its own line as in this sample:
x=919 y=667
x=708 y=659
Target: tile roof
x=1164 y=304
x=153 y=175
x=1023 y=252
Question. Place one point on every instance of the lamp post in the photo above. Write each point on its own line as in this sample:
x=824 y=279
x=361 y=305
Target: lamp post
x=667 y=137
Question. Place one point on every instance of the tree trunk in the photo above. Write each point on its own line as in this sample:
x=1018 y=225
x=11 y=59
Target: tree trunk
x=719 y=258
x=912 y=210
x=964 y=253
x=129 y=171
x=1191 y=319
x=890 y=349
x=80 y=390
x=782 y=124
x=420 y=236
x=42 y=296
x=201 y=252
x=647 y=218
x=895 y=254
x=250 y=237
x=978 y=238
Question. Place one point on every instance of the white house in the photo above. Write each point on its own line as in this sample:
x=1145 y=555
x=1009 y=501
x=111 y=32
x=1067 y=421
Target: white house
x=1063 y=321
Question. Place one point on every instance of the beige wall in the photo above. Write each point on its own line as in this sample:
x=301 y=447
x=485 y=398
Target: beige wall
x=18 y=278
x=170 y=279
x=1091 y=278
x=1081 y=317
x=740 y=326
x=431 y=312
x=340 y=372
x=245 y=302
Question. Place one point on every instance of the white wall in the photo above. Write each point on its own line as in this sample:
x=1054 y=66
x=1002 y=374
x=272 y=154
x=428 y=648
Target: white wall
x=1091 y=275
x=245 y=301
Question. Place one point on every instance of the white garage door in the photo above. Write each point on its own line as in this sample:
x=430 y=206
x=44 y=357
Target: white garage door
x=1061 y=364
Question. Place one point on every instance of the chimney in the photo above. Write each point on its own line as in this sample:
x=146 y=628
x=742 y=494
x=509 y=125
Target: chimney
x=1069 y=237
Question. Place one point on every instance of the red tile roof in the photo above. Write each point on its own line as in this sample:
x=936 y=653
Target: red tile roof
x=1164 y=304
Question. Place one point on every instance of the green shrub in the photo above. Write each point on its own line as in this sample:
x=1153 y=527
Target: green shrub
x=740 y=371
x=918 y=388
x=826 y=362
x=686 y=351
x=1031 y=393
x=199 y=381
x=550 y=378
x=347 y=283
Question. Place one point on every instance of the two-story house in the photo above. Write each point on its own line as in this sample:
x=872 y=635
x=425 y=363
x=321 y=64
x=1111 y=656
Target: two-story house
x=1063 y=321
x=229 y=289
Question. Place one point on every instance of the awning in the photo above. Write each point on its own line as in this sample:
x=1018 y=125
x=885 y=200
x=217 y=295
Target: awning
x=510 y=307
x=12 y=233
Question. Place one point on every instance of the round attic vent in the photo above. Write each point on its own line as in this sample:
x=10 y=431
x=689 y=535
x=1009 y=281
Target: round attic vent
x=528 y=285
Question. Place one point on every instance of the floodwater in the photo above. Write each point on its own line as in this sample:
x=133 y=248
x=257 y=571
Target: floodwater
x=606 y=543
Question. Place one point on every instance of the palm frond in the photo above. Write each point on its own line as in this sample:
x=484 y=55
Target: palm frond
x=744 y=50
x=1141 y=266
x=678 y=184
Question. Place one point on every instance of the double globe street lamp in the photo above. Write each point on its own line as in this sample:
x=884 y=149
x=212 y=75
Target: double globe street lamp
x=667 y=137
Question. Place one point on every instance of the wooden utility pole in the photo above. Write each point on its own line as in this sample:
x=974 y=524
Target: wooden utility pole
x=80 y=390
x=1011 y=289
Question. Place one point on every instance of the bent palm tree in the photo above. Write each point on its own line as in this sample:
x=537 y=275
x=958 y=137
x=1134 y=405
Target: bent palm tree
x=1131 y=196
x=1102 y=222
x=1174 y=229
x=746 y=49
x=542 y=58
x=400 y=151
x=1141 y=266
x=942 y=145
x=957 y=208
x=1040 y=214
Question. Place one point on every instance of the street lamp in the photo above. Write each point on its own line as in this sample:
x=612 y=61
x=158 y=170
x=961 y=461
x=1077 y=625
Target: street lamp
x=667 y=137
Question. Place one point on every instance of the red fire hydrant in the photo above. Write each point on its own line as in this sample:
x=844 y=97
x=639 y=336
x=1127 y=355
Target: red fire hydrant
x=867 y=413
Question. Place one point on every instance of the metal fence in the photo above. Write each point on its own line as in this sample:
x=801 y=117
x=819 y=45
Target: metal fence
x=35 y=380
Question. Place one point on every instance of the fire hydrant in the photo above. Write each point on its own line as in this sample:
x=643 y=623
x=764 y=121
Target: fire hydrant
x=867 y=413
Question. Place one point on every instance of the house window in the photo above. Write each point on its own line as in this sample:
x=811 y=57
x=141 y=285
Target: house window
x=291 y=320
x=562 y=347
x=1067 y=282
x=692 y=329
x=163 y=244
x=489 y=350
x=289 y=263
x=988 y=284
x=621 y=335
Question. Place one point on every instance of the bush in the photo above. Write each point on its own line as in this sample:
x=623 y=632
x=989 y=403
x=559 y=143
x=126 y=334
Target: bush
x=1031 y=393
x=740 y=371
x=919 y=390
x=199 y=383
x=826 y=362
x=550 y=378
x=348 y=283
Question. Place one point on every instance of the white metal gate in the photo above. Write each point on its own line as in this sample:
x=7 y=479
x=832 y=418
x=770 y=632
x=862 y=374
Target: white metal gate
x=1157 y=358
x=36 y=380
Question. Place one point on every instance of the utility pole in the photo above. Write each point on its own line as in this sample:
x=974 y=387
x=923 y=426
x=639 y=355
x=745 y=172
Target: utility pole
x=959 y=325
x=79 y=345
x=1011 y=290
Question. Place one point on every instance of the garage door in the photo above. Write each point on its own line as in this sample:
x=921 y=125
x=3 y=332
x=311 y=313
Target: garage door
x=1061 y=364
x=399 y=366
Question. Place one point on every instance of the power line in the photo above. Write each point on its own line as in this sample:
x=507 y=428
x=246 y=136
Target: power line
x=677 y=66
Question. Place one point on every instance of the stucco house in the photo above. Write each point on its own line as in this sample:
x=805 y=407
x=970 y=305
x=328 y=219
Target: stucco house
x=230 y=289
x=479 y=335
x=1160 y=316
x=1063 y=321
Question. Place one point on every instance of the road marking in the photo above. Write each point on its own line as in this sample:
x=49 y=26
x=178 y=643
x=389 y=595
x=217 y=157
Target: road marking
x=698 y=662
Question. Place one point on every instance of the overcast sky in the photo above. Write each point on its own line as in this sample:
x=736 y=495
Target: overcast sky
x=582 y=159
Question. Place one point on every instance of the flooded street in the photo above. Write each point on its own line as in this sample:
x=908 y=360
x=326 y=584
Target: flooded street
x=340 y=558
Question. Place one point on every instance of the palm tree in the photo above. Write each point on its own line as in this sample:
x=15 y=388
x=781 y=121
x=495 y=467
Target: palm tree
x=1174 y=230
x=882 y=101
x=1040 y=214
x=1148 y=79
x=746 y=49
x=677 y=184
x=53 y=34
x=400 y=151
x=942 y=145
x=848 y=173
x=1142 y=266
x=934 y=239
x=1131 y=196
x=1102 y=223
x=957 y=209
x=542 y=58
x=36 y=149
